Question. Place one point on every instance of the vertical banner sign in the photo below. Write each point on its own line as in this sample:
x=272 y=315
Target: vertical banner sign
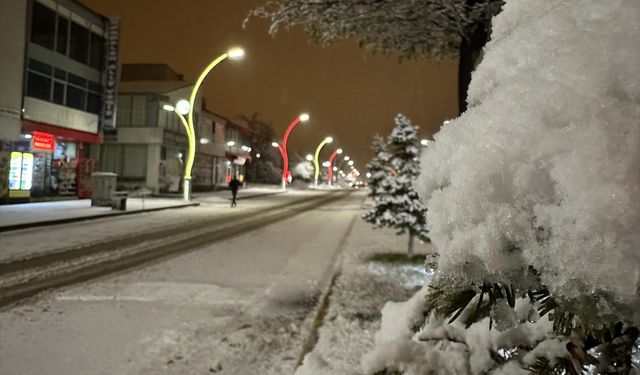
x=15 y=170
x=26 y=175
x=111 y=71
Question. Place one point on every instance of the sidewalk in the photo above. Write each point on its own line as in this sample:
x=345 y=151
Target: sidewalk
x=27 y=215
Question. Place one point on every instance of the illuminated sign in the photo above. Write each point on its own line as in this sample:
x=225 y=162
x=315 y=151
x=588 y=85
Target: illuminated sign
x=26 y=177
x=20 y=174
x=15 y=170
x=43 y=142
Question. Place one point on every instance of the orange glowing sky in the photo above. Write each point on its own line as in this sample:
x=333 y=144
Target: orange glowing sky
x=349 y=95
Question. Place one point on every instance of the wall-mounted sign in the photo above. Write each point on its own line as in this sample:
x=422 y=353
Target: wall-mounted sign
x=111 y=71
x=43 y=142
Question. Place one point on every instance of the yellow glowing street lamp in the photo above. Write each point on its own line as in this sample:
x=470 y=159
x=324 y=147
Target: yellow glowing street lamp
x=186 y=108
x=315 y=159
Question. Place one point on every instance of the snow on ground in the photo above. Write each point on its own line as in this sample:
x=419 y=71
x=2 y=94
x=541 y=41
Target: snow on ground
x=26 y=242
x=12 y=214
x=240 y=306
x=357 y=298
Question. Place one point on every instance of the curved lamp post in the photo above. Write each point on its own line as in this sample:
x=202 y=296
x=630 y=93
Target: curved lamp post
x=315 y=159
x=330 y=166
x=184 y=107
x=283 y=147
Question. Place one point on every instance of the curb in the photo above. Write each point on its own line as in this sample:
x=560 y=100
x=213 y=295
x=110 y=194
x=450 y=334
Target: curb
x=8 y=228
x=323 y=306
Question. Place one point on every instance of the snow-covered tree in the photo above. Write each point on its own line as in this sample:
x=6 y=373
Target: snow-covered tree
x=379 y=166
x=396 y=203
x=533 y=206
x=410 y=28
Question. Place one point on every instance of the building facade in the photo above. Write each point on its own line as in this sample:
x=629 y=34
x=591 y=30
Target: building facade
x=150 y=146
x=54 y=73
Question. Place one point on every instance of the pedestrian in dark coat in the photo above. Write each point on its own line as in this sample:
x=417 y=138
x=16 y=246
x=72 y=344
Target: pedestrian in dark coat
x=234 y=185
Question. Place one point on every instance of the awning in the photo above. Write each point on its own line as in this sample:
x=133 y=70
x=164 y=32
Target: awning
x=64 y=133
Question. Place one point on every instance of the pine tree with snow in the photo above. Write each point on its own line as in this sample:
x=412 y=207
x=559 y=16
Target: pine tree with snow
x=378 y=166
x=397 y=204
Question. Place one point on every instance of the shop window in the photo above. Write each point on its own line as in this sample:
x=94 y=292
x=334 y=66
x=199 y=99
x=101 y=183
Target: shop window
x=79 y=43
x=39 y=86
x=76 y=97
x=63 y=35
x=58 y=93
x=43 y=25
x=96 y=59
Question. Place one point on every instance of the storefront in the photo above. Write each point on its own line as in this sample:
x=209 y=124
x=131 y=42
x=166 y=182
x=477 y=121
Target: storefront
x=49 y=162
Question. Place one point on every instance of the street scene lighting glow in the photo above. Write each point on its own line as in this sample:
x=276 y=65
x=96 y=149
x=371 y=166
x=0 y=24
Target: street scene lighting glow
x=309 y=157
x=204 y=141
x=231 y=143
x=168 y=107
x=28 y=136
x=183 y=107
x=275 y=144
x=424 y=142
x=329 y=139
x=325 y=164
x=368 y=174
x=236 y=53
x=339 y=151
x=335 y=169
x=347 y=158
x=304 y=117
x=350 y=162
x=258 y=155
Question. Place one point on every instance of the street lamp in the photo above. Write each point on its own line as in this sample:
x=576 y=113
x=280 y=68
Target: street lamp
x=315 y=159
x=330 y=176
x=283 y=147
x=184 y=107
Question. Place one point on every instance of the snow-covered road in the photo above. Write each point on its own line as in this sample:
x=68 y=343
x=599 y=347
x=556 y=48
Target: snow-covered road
x=240 y=306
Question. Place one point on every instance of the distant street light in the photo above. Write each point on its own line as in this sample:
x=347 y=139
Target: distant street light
x=315 y=159
x=283 y=147
x=424 y=142
x=331 y=169
x=186 y=108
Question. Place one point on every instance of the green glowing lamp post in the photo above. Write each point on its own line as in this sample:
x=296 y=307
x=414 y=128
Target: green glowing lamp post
x=315 y=159
x=184 y=107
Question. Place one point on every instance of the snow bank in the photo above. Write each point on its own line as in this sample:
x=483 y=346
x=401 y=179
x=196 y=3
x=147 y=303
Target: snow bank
x=542 y=169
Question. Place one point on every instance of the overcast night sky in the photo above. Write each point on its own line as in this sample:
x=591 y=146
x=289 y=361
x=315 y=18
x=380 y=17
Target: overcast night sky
x=349 y=95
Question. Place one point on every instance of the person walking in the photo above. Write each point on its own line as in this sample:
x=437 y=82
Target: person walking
x=234 y=185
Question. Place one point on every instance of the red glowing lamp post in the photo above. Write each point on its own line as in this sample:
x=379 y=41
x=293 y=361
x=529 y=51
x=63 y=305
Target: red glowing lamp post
x=330 y=166
x=283 y=147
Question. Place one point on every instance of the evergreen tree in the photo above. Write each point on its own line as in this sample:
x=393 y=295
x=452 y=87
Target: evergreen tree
x=397 y=204
x=380 y=168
